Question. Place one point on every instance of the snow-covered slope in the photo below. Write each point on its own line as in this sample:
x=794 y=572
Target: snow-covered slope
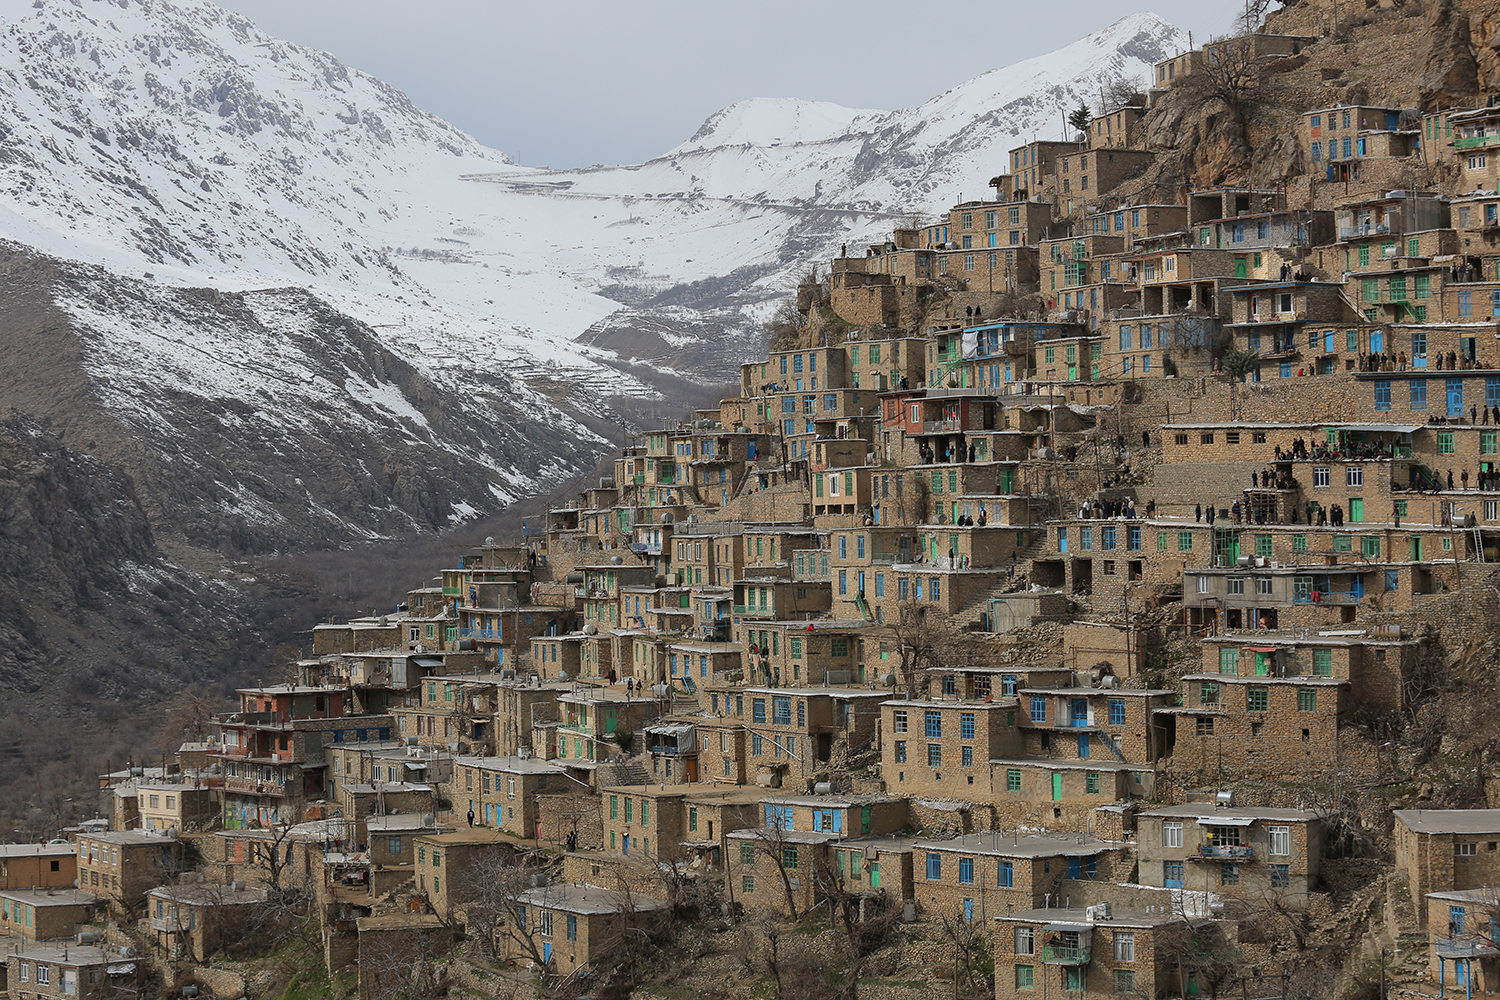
x=173 y=144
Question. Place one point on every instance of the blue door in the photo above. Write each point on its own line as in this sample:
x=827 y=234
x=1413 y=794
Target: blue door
x=968 y=911
x=1083 y=745
x=546 y=951
x=1172 y=874
x=1327 y=341
x=1377 y=342
x=1455 y=397
x=1078 y=710
x=625 y=843
x=1461 y=971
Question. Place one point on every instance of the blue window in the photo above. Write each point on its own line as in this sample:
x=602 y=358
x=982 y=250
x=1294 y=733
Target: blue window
x=1146 y=339
x=1392 y=579
x=1008 y=684
x=1455 y=397
x=934 y=721
x=1383 y=394
x=934 y=755
x=1006 y=874
x=1317 y=152
x=1495 y=302
x=1172 y=874
x=1466 y=303
x=879 y=584
x=1286 y=369
x=1107 y=538
x=1085 y=539
x=966 y=871
x=1492 y=390
x=1125 y=338
x=1133 y=538
x=1117 y=711
x=966 y=725
x=967 y=757
x=934 y=867
x=1348 y=147
x=1038 y=708
x=1419 y=394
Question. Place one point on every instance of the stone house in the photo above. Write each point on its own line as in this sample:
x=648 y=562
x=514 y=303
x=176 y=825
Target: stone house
x=47 y=914
x=1254 y=855
x=31 y=866
x=575 y=926
x=195 y=921
x=1447 y=850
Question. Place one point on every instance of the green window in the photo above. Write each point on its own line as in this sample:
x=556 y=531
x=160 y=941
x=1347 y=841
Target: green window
x=693 y=812
x=1307 y=700
x=614 y=807
x=1263 y=545
x=789 y=855
x=1299 y=543
x=1051 y=355
x=1229 y=661
x=1351 y=341
x=1487 y=442
x=747 y=854
x=1012 y=780
x=1421 y=286
x=1343 y=543
x=1364 y=256
x=1025 y=977
x=1445 y=442
x=1091 y=783
x=1369 y=546
x=645 y=811
x=1323 y=662
x=1257 y=699
x=1184 y=541
x=629 y=805
x=796 y=649
x=1125 y=981
x=1161 y=541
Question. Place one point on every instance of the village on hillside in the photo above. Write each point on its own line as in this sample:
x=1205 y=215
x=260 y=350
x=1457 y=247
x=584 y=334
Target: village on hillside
x=1080 y=587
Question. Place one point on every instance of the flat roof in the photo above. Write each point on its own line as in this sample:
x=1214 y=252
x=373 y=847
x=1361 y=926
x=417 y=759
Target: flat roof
x=1079 y=919
x=1209 y=810
x=55 y=897
x=587 y=899
x=36 y=850
x=510 y=765
x=1450 y=820
x=211 y=894
x=1032 y=846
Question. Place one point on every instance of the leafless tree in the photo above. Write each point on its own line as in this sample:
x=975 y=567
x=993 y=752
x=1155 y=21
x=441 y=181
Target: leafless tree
x=973 y=963
x=493 y=909
x=926 y=639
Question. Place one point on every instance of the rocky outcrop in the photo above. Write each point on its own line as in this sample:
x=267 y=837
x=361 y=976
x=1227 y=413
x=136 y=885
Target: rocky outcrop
x=1450 y=71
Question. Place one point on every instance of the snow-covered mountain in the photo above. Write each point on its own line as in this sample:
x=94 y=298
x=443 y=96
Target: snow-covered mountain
x=170 y=145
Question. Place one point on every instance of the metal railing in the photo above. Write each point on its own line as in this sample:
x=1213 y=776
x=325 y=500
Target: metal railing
x=1059 y=954
x=1226 y=852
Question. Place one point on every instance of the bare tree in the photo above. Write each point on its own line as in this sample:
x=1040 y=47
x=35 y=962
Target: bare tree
x=493 y=908
x=926 y=639
x=1231 y=78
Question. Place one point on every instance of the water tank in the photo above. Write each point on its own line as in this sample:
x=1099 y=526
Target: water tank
x=539 y=881
x=562 y=675
x=573 y=578
x=1109 y=682
x=489 y=539
x=467 y=645
x=823 y=788
x=591 y=629
x=411 y=741
x=1224 y=799
x=667 y=518
x=507 y=674
x=237 y=886
x=190 y=991
x=889 y=680
x=616 y=561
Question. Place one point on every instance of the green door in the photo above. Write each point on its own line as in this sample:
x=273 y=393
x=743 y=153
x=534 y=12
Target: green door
x=1262 y=664
x=1056 y=787
x=1241 y=267
x=1072 y=373
x=1356 y=509
x=874 y=874
x=1007 y=480
x=609 y=720
x=1416 y=548
x=864 y=820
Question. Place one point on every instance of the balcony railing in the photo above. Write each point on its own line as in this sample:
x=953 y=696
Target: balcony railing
x=251 y=787
x=1338 y=597
x=1364 y=229
x=1476 y=141
x=1226 y=852
x=479 y=633
x=1464 y=947
x=752 y=609
x=453 y=591
x=1059 y=954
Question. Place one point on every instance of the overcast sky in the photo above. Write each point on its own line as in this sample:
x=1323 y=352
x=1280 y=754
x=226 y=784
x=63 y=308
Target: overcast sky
x=620 y=81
